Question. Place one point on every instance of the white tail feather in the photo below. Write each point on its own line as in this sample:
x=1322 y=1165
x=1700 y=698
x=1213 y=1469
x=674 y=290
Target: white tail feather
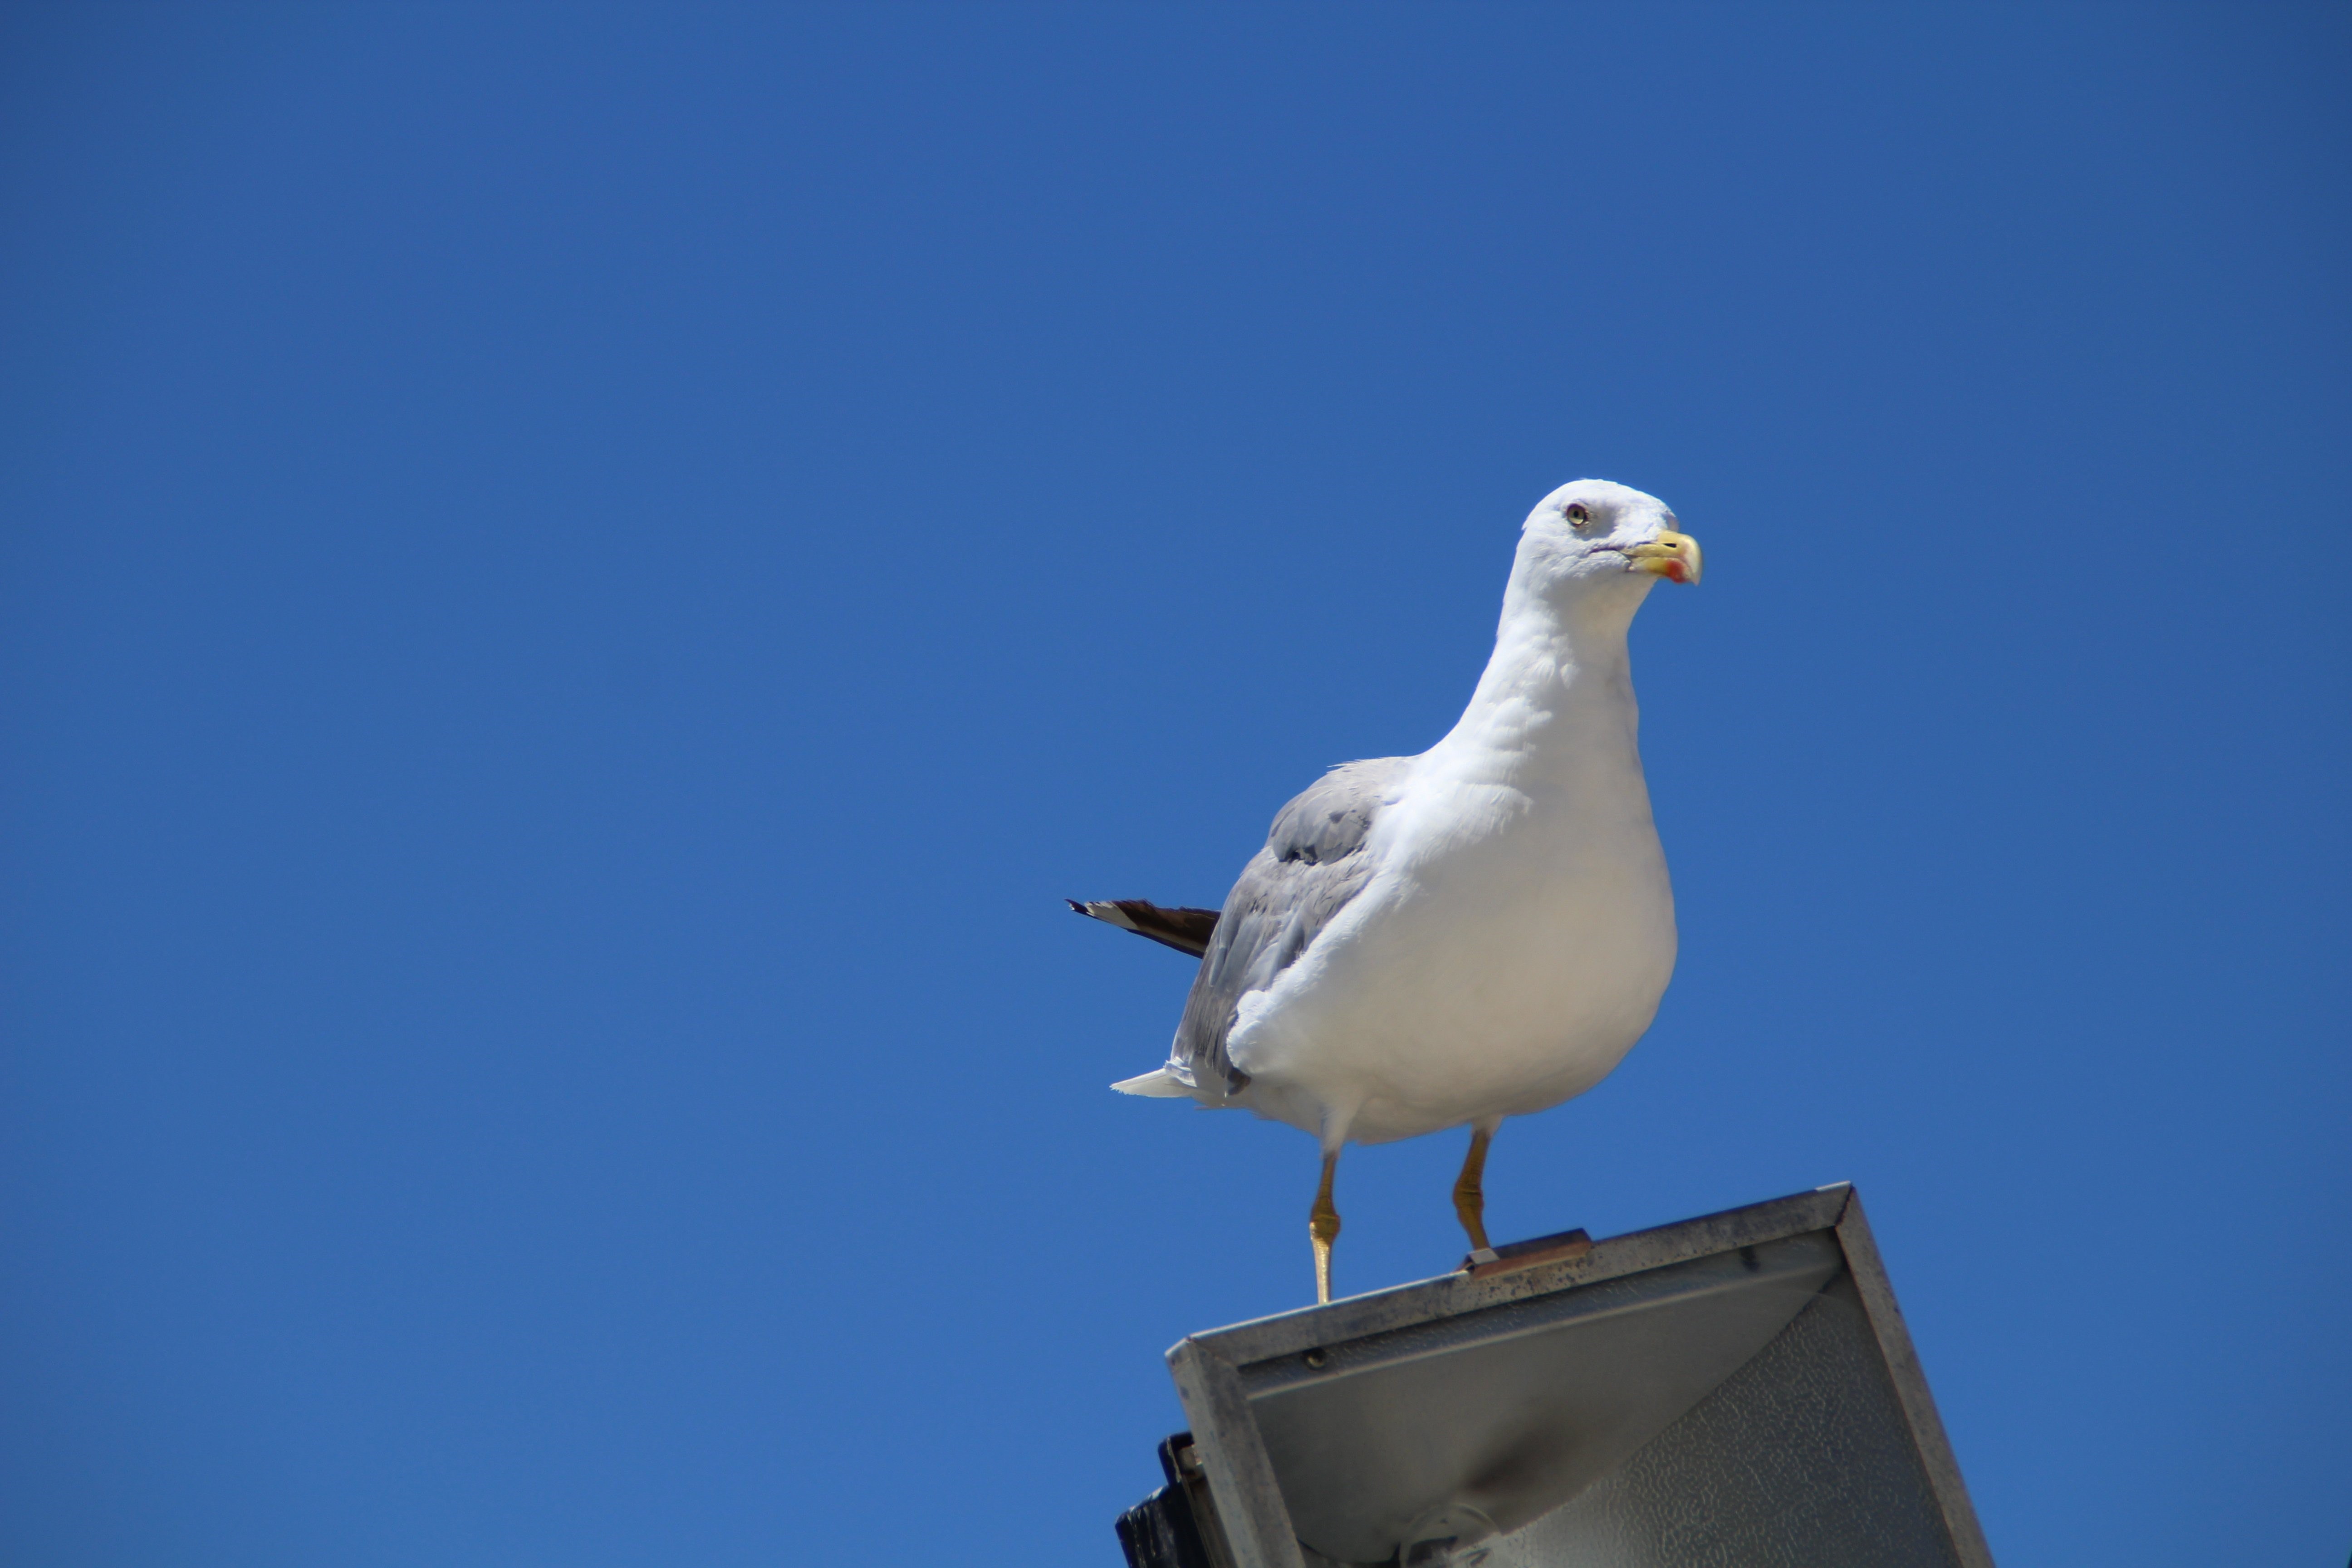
x=1158 y=1084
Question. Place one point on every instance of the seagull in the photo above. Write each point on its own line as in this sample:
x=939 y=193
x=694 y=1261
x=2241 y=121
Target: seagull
x=1480 y=932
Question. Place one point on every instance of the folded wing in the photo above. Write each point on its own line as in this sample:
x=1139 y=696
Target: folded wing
x=1313 y=863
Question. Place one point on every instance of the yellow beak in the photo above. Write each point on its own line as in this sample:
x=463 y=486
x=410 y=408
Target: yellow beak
x=1674 y=556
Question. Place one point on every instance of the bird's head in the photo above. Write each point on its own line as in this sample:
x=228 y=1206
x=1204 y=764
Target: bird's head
x=1594 y=531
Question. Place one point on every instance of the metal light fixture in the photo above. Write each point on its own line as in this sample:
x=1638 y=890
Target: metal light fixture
x=1735 y=1389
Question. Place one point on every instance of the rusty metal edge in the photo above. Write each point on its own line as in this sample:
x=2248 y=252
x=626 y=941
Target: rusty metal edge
x=1249 y=1506
x=1451 y=1295
x=1910 y=1380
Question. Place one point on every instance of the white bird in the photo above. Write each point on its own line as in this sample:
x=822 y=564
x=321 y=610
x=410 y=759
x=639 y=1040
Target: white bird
x=1479 y=932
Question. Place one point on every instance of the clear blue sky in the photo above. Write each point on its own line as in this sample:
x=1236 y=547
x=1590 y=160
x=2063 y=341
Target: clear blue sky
x=580 y=581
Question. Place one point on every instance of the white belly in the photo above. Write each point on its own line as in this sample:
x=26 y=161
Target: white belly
x=1470 y=981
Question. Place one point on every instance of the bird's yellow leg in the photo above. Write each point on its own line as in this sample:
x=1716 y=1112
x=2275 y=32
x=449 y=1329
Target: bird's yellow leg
x=1323 y=1229
x=1469 y=1192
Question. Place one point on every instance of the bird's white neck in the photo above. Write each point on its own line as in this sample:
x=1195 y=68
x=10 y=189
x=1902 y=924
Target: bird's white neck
x=1555 y=706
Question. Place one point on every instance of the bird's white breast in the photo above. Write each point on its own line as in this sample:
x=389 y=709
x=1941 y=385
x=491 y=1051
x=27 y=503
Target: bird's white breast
x=1511 y=948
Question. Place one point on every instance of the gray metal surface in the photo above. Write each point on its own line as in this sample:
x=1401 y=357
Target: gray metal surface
x=1737 y=1389
x=1799 y=1459
x=1459 y=1429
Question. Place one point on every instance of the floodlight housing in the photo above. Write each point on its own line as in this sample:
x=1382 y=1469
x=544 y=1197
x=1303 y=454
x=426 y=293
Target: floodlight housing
x=1734 y=1389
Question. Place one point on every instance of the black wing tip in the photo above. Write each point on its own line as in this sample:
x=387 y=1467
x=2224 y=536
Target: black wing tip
x=1185 y=929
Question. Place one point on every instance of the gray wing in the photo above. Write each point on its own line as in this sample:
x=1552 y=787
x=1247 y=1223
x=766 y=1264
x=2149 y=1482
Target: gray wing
x=1313 y=863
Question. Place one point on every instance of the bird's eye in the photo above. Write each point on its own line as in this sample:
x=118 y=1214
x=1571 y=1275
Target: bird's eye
x=1576 y=514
